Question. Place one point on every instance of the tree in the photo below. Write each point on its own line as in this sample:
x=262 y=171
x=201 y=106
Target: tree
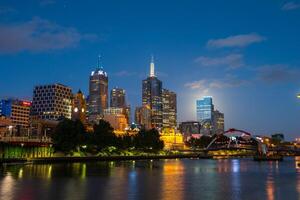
x=68 y=135
x=104 y=135
x=149 y=140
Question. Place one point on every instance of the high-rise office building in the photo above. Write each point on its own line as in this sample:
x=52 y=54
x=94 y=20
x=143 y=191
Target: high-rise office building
x=17 y=111
x=98 y=94
x=143 y=117
x=218 y=122
x=51 y=102
x=169 y=108
x=152 y=97
x=117 y=98
x=205 y=109
x=79 y=107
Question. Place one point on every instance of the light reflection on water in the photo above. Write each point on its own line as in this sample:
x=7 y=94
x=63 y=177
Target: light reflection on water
x=164 y=179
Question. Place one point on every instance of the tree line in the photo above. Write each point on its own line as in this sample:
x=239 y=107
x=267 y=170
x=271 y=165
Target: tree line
x=70 y=136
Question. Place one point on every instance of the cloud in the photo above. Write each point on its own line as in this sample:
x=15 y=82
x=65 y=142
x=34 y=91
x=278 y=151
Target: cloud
x=235 y=41
x=38 y=35
x=278 y=73
x=232 y=61
x=290 y=6
x=207 y=84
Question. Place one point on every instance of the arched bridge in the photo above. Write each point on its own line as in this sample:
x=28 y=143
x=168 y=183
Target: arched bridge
x=233 y=139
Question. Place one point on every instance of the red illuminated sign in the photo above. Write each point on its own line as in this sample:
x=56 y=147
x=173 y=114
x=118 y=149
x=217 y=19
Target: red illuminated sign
x=26 y=103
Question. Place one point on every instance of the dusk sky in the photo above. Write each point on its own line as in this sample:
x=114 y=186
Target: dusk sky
x=246 y=54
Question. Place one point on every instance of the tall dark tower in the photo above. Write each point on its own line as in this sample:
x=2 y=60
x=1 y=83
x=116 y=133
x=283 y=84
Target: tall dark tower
x=152 y=97
x=98 y=93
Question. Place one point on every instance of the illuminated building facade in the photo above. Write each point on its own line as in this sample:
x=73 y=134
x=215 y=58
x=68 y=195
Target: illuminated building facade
x=205 y=109
x=152 y=97
x=79 y=107
x=17 y=110
x=190 y=129
x=5 y=125
x=116 y=117
x=218 y=122
x=117 y=98
x=171 y=138
x=143 y=117
x=98 y=94
x=169 y=108
x=51 y=102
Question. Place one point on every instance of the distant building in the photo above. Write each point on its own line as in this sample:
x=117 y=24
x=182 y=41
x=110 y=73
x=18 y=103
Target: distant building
x=169 y=102
x=116 y=117
x=143 y=117
x=278 y=137
x=98 y=94
x=218 y=122
x=117 y=98
x=205 y=109
x=152 y=97
x=79 y=107
x=190 y=129
x=6 y=126
x=51 y=102
x=17 y=110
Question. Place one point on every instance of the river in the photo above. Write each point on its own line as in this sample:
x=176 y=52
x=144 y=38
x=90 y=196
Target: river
x=158 y=179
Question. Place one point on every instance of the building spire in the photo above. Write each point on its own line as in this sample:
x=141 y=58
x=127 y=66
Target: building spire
x=98 y=65
x=152 y=67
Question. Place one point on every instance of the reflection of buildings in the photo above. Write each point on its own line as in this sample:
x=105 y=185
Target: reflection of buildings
x=152 y=97
x=190 y=129
x=98 y=94
x=169 y=108
x=79 y=107
x=51 y=102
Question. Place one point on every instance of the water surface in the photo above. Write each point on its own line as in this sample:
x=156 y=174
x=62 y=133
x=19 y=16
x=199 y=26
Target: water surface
x=158 y=179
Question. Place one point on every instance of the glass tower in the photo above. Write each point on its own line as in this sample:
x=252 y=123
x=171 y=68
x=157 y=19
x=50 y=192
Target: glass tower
x=205 y=109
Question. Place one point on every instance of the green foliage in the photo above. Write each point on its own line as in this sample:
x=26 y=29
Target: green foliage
x=68 y=135
x=202 y=142
x=103 y=135
x=149 y=140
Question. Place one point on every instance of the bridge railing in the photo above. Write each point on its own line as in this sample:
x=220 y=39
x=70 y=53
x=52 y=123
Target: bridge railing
x=26 y=139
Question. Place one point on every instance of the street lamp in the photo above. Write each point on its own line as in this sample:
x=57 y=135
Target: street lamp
x=298 y=96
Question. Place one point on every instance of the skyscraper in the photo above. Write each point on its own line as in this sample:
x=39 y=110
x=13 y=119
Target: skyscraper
x=152 y=97
x=205 y=109
x=218 y=122
x=117 y=98
x=52 y=102
x=98 y=93
x=169 y=108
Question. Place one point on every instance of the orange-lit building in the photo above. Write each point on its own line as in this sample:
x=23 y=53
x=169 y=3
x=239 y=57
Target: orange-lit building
x=172 y=139
x=79 y=107
x=116 y=118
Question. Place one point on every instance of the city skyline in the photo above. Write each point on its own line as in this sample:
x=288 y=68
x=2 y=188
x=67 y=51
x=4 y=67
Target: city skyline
x=247 y=69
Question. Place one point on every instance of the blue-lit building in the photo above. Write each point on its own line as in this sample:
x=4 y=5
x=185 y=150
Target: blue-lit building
x=205 y=109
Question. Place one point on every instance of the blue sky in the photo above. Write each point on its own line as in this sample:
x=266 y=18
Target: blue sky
x=243 y=53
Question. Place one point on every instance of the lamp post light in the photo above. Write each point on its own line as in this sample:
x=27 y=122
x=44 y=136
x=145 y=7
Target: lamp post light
x=298 y=96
